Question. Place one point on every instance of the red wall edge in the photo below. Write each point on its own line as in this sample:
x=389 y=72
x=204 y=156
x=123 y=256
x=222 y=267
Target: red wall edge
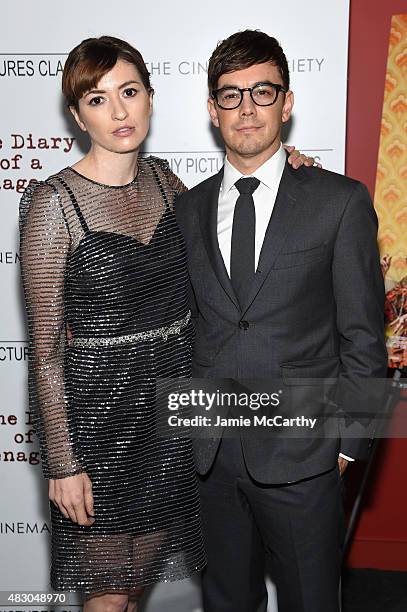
x=380 y=539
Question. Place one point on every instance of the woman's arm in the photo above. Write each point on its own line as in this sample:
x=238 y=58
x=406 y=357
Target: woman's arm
x=44 y=247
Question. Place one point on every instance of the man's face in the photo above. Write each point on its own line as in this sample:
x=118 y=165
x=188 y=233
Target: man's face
x=251 y=133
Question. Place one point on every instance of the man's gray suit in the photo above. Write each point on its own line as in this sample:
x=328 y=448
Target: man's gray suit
x=314 y=310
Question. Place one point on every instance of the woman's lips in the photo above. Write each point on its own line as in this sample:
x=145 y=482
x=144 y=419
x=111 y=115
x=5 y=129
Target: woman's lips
x=123 y=131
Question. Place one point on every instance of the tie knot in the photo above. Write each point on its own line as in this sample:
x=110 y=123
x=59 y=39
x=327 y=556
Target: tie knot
x=247 y=185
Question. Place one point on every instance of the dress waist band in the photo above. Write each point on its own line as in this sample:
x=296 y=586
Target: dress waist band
x=174 y=329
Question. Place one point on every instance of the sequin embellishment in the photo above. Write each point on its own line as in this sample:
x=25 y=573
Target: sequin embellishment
x=106 y=286
x=162 y=332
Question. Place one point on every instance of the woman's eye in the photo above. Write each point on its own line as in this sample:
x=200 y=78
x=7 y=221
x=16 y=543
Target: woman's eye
x=96 y=101
x=130 y=92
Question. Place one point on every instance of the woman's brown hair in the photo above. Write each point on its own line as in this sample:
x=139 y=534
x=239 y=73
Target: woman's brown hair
x=89 y=61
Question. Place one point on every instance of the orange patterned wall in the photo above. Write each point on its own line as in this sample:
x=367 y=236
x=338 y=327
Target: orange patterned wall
x=391 y=191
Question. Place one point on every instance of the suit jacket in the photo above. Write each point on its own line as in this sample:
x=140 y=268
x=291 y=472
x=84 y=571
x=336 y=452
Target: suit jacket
x=314 y=310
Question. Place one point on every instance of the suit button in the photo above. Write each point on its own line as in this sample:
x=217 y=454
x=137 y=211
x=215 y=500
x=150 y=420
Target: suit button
x=244 y=325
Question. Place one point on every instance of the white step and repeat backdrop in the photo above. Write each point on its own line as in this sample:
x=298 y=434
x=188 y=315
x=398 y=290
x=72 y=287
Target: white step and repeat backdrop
x=37 y=139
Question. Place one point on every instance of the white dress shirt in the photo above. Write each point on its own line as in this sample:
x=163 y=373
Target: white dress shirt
x=269 y=174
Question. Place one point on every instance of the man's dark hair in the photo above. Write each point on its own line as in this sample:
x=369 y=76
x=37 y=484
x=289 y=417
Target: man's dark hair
x=244 y=49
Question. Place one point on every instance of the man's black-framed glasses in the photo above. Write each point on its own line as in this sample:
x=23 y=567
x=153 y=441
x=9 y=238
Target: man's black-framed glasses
x=262 y=94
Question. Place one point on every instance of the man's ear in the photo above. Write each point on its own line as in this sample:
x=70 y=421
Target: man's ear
x=77 y=118
x=288 y=106
x=212 y=110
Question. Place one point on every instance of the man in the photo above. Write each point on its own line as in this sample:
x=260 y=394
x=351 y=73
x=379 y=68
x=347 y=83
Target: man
x=286 y=277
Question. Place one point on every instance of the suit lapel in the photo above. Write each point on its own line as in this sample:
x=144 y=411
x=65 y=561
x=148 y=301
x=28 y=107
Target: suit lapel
x=208 y=218
x=283 y=217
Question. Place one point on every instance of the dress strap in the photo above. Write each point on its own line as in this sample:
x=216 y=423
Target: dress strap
x=75 y=205
x=151 y=163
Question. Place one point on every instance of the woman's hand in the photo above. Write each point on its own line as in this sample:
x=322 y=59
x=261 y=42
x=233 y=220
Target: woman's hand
x=297 y=159
x=74 y=498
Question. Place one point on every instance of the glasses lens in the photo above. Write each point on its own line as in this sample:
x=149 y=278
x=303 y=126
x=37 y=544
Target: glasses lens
x=228 y=98
x=264 y=94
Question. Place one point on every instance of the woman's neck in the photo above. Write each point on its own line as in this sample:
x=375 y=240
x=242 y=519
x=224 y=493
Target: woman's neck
x=108 y=168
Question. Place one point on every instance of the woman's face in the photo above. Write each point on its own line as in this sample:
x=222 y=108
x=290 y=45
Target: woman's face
x=116 y=114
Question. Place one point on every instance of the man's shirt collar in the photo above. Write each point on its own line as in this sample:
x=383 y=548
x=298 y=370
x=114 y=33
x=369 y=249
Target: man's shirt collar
x=269 y=173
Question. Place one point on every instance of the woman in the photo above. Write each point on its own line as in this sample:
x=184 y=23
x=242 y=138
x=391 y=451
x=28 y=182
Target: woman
x=101 y=254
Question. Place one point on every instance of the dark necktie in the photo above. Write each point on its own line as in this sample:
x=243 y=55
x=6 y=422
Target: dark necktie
x=242 y=259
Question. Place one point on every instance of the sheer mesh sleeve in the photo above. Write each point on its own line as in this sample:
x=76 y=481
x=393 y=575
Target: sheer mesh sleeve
x=44 y=246
x=173 y=180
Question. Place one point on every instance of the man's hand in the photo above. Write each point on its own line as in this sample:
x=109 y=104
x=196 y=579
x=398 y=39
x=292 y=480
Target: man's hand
x=297 y=159
x=343 y=464
x=73 y=497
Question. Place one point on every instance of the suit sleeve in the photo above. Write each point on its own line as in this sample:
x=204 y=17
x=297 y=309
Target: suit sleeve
x=359 y=295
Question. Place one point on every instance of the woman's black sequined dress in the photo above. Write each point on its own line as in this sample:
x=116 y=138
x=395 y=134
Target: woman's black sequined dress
x=107 y=263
